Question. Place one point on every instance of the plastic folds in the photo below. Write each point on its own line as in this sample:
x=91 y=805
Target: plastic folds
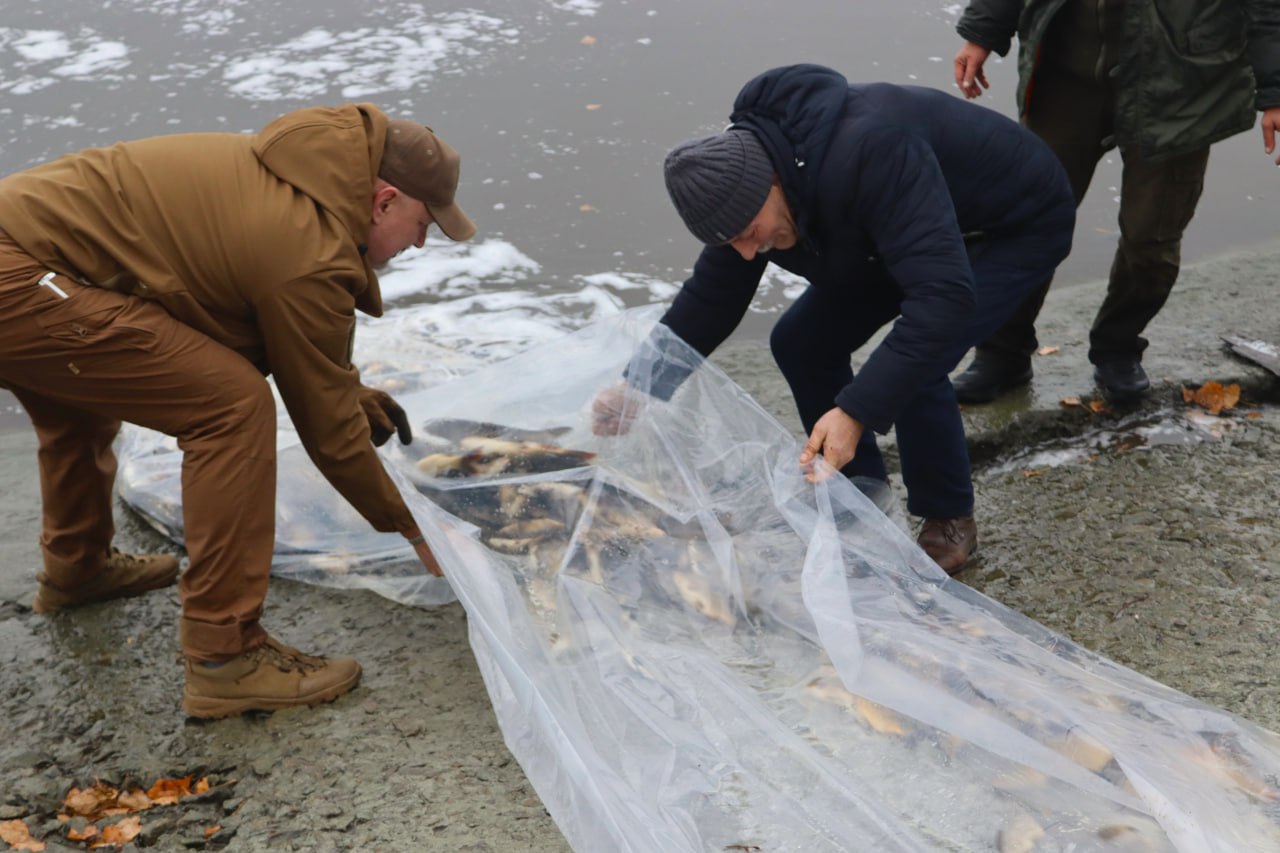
x=690 y=647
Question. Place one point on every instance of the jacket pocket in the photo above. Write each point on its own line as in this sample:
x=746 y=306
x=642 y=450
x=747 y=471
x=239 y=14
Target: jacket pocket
x=88 y=317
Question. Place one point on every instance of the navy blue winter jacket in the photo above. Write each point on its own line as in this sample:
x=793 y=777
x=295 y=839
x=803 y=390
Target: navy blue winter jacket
x=883 y=178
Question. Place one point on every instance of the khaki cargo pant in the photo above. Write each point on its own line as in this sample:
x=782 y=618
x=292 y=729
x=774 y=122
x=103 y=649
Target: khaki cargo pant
x=81 y=360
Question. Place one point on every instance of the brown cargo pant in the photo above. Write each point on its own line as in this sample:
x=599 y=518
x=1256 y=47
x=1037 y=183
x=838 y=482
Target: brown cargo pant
x=80 y=360
x=1157 y=201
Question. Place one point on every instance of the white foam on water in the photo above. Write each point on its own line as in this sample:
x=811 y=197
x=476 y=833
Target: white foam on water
x=36 y=59
x=464 y=304
x=577 y=7
x=445 y=269
x=369 y=60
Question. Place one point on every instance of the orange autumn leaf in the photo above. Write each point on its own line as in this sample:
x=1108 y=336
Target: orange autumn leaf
x=588 y=40
x=1098 y=407
x=134 y=800
x=202 y=787
x=1046 y=350
x=118 y=834
x=89 y=833
x=594 y=106
x=90 y=802
x=1032 y=473
x=166 y=792
x=1068 y=402
x=18 y=837
x=211 y=831
x=1213 y=397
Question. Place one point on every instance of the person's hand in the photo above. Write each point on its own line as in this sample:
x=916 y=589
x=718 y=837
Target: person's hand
x=423 y=550
x=385 y=417
x=614 y=409
x=1270 y=124
x=969 y=70
x=835 y=436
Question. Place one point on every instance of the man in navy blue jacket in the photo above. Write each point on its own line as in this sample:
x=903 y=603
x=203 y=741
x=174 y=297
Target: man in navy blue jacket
x=898 y=204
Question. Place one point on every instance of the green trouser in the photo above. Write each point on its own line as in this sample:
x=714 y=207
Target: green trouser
x=1074 y=115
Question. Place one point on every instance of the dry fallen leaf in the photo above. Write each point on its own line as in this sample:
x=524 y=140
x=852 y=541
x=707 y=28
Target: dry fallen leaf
x=118 y=834
x=166 y=792
x=1046 y=350
x=1213 y=397
x=585 y=208
x=1098 y=407
x=89 y=833
x=18 y=837
x=588 y=40
x=135 y=800
x=212 y=831
x=594 y=106
x=1032 y=473
x=90 y=802
x=1068 y=402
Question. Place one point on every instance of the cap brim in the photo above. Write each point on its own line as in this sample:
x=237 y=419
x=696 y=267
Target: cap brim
x=455 y=224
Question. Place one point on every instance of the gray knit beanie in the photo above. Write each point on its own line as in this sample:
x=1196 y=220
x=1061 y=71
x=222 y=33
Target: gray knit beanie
x=719 y=183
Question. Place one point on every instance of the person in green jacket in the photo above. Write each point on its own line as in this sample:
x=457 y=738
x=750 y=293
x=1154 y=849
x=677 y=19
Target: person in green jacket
x=1161 y=82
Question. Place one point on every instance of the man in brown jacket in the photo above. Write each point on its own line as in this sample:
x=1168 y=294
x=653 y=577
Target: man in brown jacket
x=158 y=282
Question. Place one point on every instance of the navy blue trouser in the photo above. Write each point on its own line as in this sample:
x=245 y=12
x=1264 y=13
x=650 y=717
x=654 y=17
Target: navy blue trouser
x=813 y=341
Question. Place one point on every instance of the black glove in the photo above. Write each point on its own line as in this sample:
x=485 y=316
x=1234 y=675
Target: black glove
x=385 y=416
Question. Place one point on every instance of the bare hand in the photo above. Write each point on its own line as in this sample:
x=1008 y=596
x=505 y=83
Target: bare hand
x=615 y=408
x=423 y=550
x=969 y=69
x=1270 y=124
x=835 y=436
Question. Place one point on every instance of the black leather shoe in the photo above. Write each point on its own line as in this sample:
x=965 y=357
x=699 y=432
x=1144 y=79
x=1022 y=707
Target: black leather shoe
x=988 y=376
x=1121 y=378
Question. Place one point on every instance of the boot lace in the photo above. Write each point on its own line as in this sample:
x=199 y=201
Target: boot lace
x=948 y=528
x=287 y=659
x=122 y=559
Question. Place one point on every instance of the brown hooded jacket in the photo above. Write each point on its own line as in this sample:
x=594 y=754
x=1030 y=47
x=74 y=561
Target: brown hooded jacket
x=255 y=240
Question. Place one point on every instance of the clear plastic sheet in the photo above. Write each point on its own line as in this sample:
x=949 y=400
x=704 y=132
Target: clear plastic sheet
x=690 y=647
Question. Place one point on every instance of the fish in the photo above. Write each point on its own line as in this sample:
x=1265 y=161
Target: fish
x=492 y=455
x=1085 y=750
x=453 y=430
x=1020 y=835
x=699 y=594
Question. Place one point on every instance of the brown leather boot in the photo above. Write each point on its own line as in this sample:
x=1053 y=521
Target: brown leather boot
x=123 y=576
x=268 y=678
x=949 y=541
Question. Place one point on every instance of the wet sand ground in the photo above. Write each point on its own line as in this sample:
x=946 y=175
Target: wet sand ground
x=1161 y=556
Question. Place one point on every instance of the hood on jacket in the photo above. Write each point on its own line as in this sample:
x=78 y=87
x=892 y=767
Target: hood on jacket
x=332 y=154
x=794 y=110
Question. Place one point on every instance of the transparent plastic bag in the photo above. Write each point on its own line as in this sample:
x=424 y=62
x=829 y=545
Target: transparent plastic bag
x=690 y=647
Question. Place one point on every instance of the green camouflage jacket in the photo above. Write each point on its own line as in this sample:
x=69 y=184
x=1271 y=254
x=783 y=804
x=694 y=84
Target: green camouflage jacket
x=1191 y=72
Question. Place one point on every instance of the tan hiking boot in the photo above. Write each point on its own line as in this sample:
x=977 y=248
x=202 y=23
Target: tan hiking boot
x=268 y=678
x=124 y=575
x=949 y=541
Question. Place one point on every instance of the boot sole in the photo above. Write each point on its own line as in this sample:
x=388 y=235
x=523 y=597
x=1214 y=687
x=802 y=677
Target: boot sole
x=212 y=708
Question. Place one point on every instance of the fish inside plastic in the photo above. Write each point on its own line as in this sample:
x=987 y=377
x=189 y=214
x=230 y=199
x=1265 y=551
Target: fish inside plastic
x=690 y=647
